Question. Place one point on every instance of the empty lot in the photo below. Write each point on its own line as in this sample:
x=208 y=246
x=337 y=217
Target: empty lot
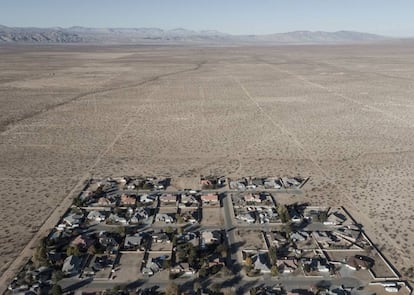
x=340 y=114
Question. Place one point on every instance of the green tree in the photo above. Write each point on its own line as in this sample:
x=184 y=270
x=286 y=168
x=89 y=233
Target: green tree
x=248 y=262
x=203 y=272
x=72 y=250
x=57 y=275
x=114 y=291
x=322 y=216
x=166 y=263
x=192 y=255
x=215 y=288
x=121 y=231
x=40 y=255
x=172 y=289
x=222 y=249
x=169 y=229
x=273 y=254
x=283 y=213
x=179 y=218
x=78 y=202
x=197 y=286
x=91 y=250
x=287 y=228
x=147 y=186
x=274 y=270
x=28 y=279
x=56 y=290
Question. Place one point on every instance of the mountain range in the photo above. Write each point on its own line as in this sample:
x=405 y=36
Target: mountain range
x=179 y=35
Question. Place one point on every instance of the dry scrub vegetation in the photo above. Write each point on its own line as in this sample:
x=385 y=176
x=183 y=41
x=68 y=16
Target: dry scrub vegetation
x=341 y=114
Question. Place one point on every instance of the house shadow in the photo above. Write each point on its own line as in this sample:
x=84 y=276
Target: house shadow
x=323 y=284
x=235 y=247
x=77 y=285
x=246 y=286
x=135 y=284
x=302 y=292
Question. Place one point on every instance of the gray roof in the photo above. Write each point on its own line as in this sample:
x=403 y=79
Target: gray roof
x=71 y=265
x=133 y=240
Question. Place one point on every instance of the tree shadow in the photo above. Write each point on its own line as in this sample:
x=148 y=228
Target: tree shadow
x=77 y=285
x=135 y=284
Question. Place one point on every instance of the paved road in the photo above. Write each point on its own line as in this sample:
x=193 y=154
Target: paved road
x=240 y=284
x=234 y=262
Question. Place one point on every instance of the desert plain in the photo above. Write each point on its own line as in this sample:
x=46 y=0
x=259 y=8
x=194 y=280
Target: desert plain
x=341 y=114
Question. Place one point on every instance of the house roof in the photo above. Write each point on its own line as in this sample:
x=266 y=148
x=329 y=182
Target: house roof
x=257 y=181
x=168 y=198
x=71 y=265
x=72 y=219
x=209 y=198
x=261 y=262
x=125 y=199
x=95 y=214
x=188 y=199
x=133 y=240
x=291 y=263
x=252 y=197
x=81 y=241
x=104 y=201
x=206 y=182
x=210 y=236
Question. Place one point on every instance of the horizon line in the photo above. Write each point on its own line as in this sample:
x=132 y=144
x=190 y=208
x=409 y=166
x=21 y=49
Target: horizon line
x=206 y=30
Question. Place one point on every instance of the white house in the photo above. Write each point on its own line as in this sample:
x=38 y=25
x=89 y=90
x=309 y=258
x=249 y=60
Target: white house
x=96 y=216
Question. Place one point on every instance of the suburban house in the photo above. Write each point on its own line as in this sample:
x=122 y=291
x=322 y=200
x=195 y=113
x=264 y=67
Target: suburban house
x=188 y=237
x=212 y=182
x=271 y=183
x=135 y=241
x=147 y=199
x=190 y=216
x=73 y=220
x=299 y=236
x=107 y=241
x=238 y=184
x=287 y=265
x=104 y=202
x=117 y=219
x=168 y=198
x=82 y=241
x=183 y=268
x=210 y=199
x=139 y=215
x=151 y=268
x=247 y=217
x=128 y=200
x=188 y=201
x=210 y=237
x=206 y=183
x=71 y=265
x=261 y=262
x=253 y=198
x=164 y=217
x=160 y=237
x=96 y=216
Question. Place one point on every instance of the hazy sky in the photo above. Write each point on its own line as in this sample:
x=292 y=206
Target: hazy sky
x=387 y=17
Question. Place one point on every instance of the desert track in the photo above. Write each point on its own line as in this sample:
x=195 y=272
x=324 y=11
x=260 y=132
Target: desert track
x=341 y=115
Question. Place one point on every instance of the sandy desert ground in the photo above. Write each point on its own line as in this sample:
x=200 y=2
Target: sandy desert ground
x=343 y=115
